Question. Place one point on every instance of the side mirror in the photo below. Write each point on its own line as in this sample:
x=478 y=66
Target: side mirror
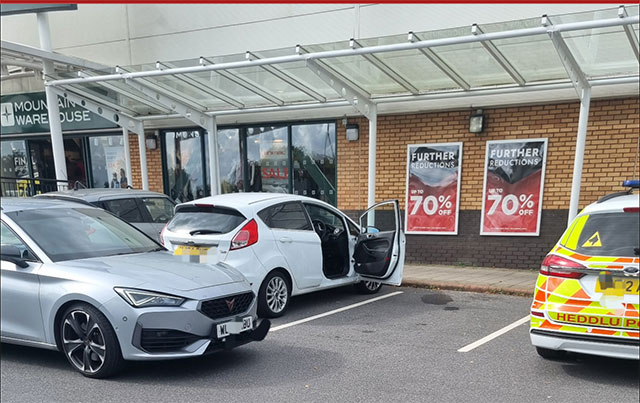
x=12 y=254
x=371 y=230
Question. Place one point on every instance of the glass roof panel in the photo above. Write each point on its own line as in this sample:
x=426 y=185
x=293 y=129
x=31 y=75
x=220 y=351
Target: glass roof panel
x=534 y=57
x=412 y=65
x=272 y=84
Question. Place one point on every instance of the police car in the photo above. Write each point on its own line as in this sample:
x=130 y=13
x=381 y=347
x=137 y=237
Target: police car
x=586 y=295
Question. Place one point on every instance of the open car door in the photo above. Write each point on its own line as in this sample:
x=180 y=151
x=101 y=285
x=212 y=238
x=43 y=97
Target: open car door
x=380 y=248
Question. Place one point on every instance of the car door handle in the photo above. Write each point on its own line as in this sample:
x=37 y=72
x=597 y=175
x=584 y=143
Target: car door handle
x=285 y=239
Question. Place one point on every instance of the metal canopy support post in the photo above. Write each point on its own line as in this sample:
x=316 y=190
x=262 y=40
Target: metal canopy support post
x=444 y=67
x=55 y=127
x=364 y=106
x=382 y=66
x=214 y=166
x=144 y=173
x=246 y=84
x=583 y=88
x=631 y=35
x=287 y=78
x=127 y=155
x=499 y=57
x=105 y=112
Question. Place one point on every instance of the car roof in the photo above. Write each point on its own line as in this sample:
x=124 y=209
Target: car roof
x=252 y=201
x=10 y=204
x=96 y=194
x=617 y=203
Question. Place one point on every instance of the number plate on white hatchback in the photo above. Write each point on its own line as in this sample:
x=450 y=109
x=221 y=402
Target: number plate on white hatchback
x=225 y=329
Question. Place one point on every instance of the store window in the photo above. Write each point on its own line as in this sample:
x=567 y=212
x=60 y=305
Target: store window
x=108 y=169
x=267 y=159
x=14 y=159
x=74 y=155
x=185 y=165
x=313 y=149
x=229 y=160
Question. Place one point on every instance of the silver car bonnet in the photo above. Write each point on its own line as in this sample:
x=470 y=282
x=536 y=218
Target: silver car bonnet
x=158 y=271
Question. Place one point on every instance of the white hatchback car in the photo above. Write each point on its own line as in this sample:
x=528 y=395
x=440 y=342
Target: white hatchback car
x=288 y=245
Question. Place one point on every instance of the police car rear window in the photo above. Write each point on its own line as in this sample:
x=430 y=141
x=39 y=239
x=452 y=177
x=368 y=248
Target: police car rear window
x=607 y=234
x=201 y=220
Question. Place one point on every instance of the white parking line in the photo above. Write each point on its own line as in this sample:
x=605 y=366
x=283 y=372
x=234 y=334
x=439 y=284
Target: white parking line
x=493 y=335
x=322 y=315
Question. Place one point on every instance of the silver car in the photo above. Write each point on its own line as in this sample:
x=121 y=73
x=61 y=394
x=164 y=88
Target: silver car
x=148 y=211
x=80 y=280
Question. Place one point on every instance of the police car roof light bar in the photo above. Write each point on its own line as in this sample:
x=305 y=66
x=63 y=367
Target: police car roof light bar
x=632 y=183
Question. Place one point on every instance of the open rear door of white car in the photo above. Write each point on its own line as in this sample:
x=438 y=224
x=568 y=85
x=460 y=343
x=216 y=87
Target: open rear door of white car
x=380 y=248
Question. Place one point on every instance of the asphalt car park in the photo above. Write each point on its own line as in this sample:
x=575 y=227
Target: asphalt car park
x=399 y=345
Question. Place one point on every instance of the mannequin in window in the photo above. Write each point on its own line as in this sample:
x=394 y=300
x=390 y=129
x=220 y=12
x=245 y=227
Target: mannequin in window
x=114 y=181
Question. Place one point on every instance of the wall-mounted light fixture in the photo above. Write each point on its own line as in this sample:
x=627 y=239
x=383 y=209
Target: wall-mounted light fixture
x=476 y=121
x=352 y=132
x=151 y=141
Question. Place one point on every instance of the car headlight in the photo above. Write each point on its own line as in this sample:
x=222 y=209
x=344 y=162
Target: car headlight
x=143 y=299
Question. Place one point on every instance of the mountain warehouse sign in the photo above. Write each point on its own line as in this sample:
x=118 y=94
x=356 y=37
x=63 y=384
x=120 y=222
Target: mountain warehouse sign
x=28 y=113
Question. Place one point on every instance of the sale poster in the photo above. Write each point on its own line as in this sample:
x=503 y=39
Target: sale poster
x=513 y=185
x=433 y=188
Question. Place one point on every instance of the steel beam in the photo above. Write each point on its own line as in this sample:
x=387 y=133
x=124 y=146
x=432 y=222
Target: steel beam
x=288 y=78
x=432 y=43
x=112 y=115
x=499 y=57
x=81 y=91
x=202 y=86
x=444 y=67
x=163 y=89
x=382 y=66
x=47 y=54
x=362 y=104
x=246 y=84
x=301 y=50
x=631 y=35
x=128 y=94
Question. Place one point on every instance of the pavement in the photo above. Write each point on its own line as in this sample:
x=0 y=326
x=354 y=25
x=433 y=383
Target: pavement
x=476 y=279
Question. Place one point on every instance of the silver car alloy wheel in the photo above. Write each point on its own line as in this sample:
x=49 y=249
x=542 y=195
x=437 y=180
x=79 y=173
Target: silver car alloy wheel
x=277 y=294
x=83 y=341
x=371 y=285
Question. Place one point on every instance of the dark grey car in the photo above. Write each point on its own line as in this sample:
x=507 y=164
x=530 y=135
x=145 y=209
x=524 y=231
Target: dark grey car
x=148 y=211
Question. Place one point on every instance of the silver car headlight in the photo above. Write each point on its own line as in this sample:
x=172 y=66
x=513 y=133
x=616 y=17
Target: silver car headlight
x=143 y=299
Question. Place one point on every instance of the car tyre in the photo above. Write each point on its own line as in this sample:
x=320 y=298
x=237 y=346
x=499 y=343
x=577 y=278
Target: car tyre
x=274 y=295
x=368 y=287
x=89 y=342
x=550 y=354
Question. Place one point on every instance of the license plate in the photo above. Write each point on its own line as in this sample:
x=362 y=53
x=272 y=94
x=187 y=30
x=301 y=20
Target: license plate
x=186 y=250
x=610 y=285
x=225 y=329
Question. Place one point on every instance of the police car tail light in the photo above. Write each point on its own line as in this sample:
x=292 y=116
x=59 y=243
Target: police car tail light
x=247 y=236
x=162 y=234
x=631 y=209
x=558 y=266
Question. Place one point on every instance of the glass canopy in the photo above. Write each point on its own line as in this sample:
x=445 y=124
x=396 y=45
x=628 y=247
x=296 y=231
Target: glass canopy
x=519 y=54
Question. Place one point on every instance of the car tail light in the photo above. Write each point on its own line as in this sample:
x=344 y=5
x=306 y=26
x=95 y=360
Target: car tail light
x=558 y=266
x=538 y=314
x=162 y=234
x=247 y=236
x=631 y=209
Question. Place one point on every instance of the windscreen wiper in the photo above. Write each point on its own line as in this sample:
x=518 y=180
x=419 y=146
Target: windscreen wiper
x=204 y=231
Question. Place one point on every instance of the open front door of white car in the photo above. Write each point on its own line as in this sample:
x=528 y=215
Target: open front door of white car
x=380 y=247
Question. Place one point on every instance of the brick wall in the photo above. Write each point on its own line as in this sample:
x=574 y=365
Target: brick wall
x=611 y=155
x=154 y=165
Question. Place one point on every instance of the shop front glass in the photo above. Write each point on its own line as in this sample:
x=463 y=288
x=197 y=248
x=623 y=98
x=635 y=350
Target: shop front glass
x=184 y=163
x=108 y=169
x=42 y=159
x=267 y=159
x=14 y=159
x=229 y=160
x=313 y=149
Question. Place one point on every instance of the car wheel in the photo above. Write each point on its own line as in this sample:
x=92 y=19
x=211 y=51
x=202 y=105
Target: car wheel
x=89 y=342
x=550 y=354
x=368 y=287
x=274 y=295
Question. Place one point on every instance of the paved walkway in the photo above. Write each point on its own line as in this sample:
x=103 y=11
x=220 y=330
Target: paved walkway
x=479 y=279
